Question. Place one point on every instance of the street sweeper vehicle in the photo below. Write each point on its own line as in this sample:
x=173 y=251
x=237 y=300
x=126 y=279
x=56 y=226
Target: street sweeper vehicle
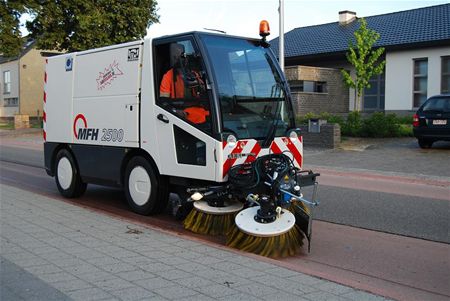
x=207 y=116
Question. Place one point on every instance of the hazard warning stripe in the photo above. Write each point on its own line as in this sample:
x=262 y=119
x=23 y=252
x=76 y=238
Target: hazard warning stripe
x=44 y=114
x=251 y=149
x=228 y=162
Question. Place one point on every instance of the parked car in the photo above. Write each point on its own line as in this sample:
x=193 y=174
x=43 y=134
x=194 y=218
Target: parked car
x=431 y=122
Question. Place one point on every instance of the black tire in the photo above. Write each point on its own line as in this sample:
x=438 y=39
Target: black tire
x=67 y=175
x=153 y=196
x=425 y=143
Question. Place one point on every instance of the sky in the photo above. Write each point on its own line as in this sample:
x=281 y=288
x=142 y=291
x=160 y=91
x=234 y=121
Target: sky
x=242 y=17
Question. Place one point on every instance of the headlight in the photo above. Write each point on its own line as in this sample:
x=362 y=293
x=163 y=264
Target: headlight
x=231 y=140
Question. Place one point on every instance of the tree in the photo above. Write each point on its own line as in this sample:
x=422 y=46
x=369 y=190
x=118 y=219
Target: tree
x=10 y=37
x=364 y=59
x=76 y=25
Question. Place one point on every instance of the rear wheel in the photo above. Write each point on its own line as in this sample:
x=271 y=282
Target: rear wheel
x=145 y=190
x=425 y=143
x=67 y=175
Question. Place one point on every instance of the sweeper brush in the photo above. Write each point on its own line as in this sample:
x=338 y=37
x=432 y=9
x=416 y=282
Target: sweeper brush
x=212 y=218
x=279 y=238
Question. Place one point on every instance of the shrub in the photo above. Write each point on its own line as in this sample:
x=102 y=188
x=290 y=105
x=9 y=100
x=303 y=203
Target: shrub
x=352 y=127
x=380 y=125
x=376 y=125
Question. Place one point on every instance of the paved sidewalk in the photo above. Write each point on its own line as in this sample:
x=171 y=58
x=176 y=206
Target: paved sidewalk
x=52 y=250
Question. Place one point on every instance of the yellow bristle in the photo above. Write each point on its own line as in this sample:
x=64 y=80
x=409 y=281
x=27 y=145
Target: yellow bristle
x=205 y=223
x=287 y=244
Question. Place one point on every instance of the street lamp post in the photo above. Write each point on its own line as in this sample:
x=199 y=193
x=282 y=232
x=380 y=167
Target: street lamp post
x=281 y=38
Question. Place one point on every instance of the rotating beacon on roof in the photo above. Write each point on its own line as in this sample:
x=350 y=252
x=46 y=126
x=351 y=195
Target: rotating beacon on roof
x=207 y=116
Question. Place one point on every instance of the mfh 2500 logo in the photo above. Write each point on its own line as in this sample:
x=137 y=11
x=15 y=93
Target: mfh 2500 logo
x=81 y=131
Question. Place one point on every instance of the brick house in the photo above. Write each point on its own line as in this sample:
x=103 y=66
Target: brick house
x=417 y=55
x=22 y=82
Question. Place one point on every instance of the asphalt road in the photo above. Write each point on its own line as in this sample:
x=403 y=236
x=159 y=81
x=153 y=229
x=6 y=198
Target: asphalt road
x=395 y=155
x=419 y=217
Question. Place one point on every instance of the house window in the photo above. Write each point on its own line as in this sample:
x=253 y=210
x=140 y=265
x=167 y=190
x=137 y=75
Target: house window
x=308 y=86
x=6 y=82
x=445 y=75
x=374 y=96
x=420 y=82
x=11 y=102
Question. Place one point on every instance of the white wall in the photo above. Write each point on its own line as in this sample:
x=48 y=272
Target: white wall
x=399 y=75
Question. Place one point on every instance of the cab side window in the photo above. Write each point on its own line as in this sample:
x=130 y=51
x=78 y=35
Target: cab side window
x=181 y=82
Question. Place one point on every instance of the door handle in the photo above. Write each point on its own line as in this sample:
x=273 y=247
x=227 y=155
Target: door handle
x=163 y=118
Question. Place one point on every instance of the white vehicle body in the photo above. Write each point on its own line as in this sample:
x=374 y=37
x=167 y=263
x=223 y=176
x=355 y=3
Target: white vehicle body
x=101 y=105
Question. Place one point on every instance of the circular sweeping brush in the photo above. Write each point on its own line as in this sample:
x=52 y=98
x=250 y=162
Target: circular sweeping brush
x=278 y=238
x=212 y=220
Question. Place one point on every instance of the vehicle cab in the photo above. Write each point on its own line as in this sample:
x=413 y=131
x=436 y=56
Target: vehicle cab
x=242 y=96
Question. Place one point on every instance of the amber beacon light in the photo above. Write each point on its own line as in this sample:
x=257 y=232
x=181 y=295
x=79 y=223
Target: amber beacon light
x=264 y=29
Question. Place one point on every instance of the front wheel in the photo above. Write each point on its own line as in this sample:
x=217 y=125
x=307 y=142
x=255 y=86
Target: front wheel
x=67 y=175
x=144 y=187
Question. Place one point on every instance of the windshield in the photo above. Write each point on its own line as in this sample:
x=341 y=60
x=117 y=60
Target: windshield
x=252 y=96
x=440 y=104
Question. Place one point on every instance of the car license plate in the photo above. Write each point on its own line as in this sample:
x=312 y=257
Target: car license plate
x=439 y=122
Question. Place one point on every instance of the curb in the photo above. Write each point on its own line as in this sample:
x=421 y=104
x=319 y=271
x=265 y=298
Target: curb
x=15 y=133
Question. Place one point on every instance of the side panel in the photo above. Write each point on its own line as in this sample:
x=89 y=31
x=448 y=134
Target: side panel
x=58 y=106
x=99 y=164
x=106 y=96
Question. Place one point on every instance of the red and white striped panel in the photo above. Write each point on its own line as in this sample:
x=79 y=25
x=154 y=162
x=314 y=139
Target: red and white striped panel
x=246 y=151
x=243 y=151
x=292 y=148
x=44 y=115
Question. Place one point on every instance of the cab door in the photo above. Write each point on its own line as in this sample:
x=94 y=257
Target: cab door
x=183 y=110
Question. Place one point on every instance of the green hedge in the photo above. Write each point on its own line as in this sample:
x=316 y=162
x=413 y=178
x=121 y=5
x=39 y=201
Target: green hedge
x=377 y=125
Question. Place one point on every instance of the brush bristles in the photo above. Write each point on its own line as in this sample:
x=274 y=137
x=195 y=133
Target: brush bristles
x=287 y=244
x=205 y=223
x=293 y=208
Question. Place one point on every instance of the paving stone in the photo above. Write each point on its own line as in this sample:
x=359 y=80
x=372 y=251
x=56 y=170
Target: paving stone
x=71 y=285
x=192 y=267
x=305 y=279
x=323 y=296
x=43 y=269
x=31 y=262
x=117 y=268
x=136 y=275
x=154 y=283
x=281 y=272
x=175 y=274
x=96 y=276
x=156 y=268
x=198 y=297
x=175 y=292
x=257 y=290
x=55 y=277
x=89 y=294
x=283 y=296
x=113 y=284
x=333 y=288
x=241 y=297
x=194 y=281
x=82 y=269
x=247 y=272
x=217 y=290
x=173 y=260
x=361 y=296
x=67 y=262
x=133 y=293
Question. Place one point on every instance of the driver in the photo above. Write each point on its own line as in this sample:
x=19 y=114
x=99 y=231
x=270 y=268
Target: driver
x=180 y=82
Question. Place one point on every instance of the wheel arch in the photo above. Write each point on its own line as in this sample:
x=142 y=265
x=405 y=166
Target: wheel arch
x=134 y=153
x=54 y=152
